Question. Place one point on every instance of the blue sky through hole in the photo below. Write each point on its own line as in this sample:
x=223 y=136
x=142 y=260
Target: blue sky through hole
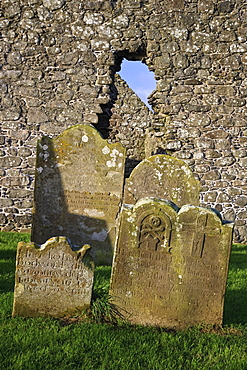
x=139 y=78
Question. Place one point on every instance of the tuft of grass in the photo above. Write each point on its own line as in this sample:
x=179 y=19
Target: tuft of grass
x=102 y=309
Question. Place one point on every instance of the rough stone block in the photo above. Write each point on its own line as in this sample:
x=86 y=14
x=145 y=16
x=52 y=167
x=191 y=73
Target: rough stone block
x=6 y=202
x=241 y=201
x=10 y=161
x=3 y=219
x=53 y=4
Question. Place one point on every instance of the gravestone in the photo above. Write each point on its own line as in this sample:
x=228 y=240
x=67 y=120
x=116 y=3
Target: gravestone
x=170 y=265
x=52 y=279
x=78 y=190
x=165 y=177
x=206 y=243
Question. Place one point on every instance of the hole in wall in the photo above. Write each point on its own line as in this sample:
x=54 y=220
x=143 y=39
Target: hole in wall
x=137 y=75
x=113 y=3
x=123 y=118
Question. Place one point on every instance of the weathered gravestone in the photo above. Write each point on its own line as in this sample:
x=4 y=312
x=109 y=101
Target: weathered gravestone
x=52 y=279
x=165 y=177
x=78 y=190
x=170 y=266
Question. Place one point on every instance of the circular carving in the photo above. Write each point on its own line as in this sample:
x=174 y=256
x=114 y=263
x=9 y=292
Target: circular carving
x=156 y=221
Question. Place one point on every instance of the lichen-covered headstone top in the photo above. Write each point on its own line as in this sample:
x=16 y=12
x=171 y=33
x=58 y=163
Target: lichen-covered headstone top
x=52 y=279
x=170 y=265
x=78 y=189
x=163 y=177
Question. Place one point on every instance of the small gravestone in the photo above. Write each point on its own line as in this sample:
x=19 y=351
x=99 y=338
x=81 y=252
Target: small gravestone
x=170 y=266
x=165 y=177
x=205 y=241
x=78 y=190
x=52 y=279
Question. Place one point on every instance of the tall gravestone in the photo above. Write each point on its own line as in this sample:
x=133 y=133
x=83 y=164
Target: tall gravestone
x=78 y=190
x=52 y=280
x=170 y=265
x=163 y=177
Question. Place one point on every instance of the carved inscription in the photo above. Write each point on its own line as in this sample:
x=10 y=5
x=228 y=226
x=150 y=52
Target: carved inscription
x=57 y=271
x=137 y=281
x=207 y=280
x=143 y=277
x=81 y=202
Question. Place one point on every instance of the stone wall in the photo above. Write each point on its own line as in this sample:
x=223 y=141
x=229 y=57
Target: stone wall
x=128 y=123
x=59 y=59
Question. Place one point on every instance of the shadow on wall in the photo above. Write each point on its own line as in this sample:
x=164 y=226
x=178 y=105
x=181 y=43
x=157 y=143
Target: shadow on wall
x=126 y=118
x=118 y=125
x=51 y=215
x=140 y=82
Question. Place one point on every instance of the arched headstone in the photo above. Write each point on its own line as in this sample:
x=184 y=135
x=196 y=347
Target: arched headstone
x=170 y=266
x=163 y=177
x=78 y=190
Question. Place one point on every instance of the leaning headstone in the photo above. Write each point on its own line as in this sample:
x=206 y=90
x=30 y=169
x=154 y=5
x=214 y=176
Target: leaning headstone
x=78 y=190
x=170 y=266
x=165 y=177
x=52 y=279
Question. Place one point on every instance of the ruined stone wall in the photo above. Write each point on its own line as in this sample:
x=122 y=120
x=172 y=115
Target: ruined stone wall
x=59 y=59
x=130 y=118
x=129 y=123
x=204 y=94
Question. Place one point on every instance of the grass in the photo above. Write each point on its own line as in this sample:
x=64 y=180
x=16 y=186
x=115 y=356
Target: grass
x=236 y=295
x=102 y=310
x=99 y=343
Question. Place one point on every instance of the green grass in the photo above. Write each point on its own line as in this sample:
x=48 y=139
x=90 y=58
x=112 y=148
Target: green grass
x=46 y=343
x=236 y=295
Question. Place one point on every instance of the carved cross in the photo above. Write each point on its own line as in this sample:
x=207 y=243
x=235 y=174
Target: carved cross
x=199 y=229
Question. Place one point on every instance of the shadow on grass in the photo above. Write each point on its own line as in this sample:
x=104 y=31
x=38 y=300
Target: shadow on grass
x=235 y=307
x=236 y=292
x=7 y=273
x=239 y=248
x=6 y=285
x=8 y=254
